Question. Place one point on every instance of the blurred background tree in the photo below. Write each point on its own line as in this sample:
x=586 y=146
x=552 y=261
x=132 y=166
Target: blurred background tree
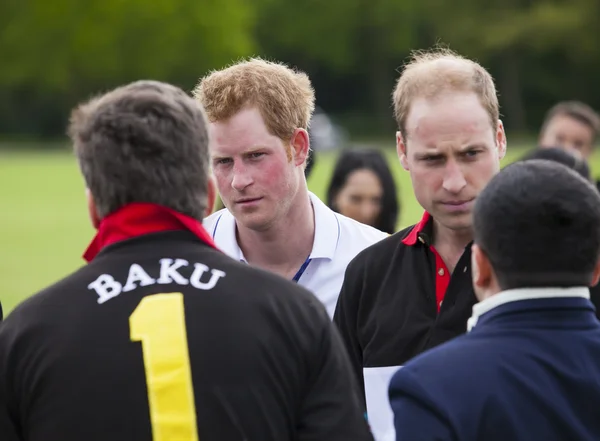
x=54 y=54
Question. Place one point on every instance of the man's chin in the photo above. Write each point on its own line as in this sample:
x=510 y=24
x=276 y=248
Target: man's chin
x=252 y=221
x=456 y=222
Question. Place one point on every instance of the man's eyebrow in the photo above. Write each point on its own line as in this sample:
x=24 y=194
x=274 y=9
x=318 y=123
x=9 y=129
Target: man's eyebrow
x=215 y=157
x=474 y=146
x=430 y=154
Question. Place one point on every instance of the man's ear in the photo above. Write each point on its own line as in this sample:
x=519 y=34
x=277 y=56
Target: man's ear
x=481 y=268
x=596 y=275
x=92 y=210
x=501 y=140
x=401 y=150
x=211 y=195
x=300 y=144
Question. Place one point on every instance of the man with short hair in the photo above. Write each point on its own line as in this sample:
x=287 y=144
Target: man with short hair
x=412 y=291
x=580 y=165
x=529 y=369
x=161 y=336
x=259 y=113
x=571 y=125
x=565 y=157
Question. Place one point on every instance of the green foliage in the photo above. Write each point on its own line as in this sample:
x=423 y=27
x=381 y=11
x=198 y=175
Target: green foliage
x=63 y=45
x=57 y=53
x=488 y=28
x=335 y=32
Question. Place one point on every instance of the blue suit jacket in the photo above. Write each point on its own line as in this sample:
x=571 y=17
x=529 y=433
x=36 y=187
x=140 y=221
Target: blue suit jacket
x=529 y=370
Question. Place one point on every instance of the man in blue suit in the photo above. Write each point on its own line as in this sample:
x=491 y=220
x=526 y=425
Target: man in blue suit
x=529 y=367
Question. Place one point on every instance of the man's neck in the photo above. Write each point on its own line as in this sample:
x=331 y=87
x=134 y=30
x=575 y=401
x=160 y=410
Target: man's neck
x=450 y=244
x=283 y=247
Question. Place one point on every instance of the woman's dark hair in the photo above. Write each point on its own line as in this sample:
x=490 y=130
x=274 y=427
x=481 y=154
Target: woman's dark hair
x=353 y=159
x=556 y=154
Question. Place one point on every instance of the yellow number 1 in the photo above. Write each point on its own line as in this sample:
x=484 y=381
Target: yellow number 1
x=159 y=323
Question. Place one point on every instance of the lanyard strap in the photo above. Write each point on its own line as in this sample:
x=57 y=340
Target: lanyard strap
x=301 y=270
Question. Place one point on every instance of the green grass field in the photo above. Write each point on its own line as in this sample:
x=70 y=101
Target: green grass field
x=44 y=227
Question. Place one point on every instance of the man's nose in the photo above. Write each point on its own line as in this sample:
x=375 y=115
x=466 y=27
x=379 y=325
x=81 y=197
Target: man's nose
x=454 y=179
x=241 y=177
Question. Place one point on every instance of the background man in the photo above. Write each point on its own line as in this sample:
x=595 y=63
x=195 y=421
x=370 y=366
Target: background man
x=571 y=125
x=530 y=366
x=565 y=157
x=161 y=336
x=259 y=113
x=412 y=291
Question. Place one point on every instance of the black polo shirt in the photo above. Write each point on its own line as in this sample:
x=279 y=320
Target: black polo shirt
x=399 y=299
x=162 y=334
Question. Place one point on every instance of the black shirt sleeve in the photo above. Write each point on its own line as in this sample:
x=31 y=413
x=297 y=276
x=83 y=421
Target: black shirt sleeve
x=332 y=409
x=346 y=320
x=8 y=427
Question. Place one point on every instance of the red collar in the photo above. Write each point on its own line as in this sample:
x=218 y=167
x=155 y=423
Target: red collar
x=137 y=219
x=412 y=237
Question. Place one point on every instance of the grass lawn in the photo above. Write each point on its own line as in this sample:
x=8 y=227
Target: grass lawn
x=44 y=227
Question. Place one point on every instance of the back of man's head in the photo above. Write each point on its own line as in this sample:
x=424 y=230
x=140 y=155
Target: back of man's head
x=143 y=142
x=571 y=160
x=538 y=223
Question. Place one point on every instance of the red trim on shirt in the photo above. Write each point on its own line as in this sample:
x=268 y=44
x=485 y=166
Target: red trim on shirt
x=442 y=275
x=137 y=219
x=412 y=237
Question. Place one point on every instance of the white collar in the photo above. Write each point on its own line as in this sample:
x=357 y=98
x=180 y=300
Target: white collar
x=327 y=232
x=514 y=295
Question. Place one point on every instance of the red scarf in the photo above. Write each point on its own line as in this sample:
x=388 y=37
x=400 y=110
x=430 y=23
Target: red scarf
x=137 y=219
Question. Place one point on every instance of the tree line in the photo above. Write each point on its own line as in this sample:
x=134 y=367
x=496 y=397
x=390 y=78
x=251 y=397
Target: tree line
x=54 y=54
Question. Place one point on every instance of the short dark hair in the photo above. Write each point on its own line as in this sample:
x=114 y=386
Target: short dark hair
x=351 y=160
x=146 y=141
x=577 y=163
x=578 y=111
x=538 y=222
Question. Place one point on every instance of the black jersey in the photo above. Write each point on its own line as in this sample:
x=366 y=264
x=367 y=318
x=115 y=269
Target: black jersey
x=162 y=338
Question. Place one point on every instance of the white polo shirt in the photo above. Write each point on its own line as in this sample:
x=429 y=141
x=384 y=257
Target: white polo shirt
x=337 y=240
